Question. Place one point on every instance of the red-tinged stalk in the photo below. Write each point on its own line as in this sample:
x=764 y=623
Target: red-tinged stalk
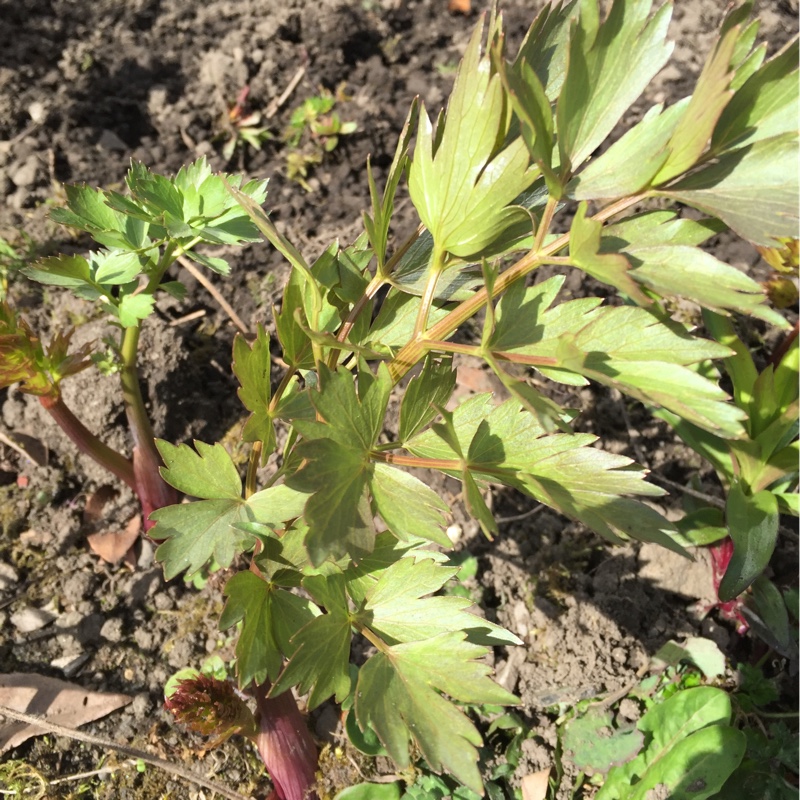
x=721 y=554
x=153 y=491
x=88 y=443
x=285 y=745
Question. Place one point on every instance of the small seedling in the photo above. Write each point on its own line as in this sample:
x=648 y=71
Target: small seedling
x=314 y=129
x=243 y=127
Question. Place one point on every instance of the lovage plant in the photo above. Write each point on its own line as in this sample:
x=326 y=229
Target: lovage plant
x=341 y=541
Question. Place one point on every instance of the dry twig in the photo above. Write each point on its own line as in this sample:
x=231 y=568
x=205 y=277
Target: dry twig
x=131 y=752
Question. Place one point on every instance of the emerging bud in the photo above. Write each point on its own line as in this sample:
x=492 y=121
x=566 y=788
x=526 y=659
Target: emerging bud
x=211 y=707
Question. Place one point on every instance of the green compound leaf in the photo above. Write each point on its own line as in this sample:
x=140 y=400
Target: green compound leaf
x=711 y=95
x=206 y=531
x=112 y=268
x=208 y=473
x=753 y=525
x=90 y=210
x=398 y=610
x=397 y=695
x=410 y=508
x=609 y=66
x=431 y=388
x=321 y=661
x=655 y=228
x=508 y=446
x=462 y=188
x=766 y=169
x=251 y=365
x=631 y=163
x=352 y=420
x=611 y=268
x=271 y=617
x=591 y=742
x=765 y=106
x=338 y=512
x=546 y=45
x=199 y=533
x=133 y=308
x=687 y=744
x=632 y=349
x=70 y=271
x=338 y=471
x=666 y=258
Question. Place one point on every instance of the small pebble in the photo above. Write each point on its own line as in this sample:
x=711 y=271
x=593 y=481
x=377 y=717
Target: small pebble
x=37 y=112
x=30 y=619
x=24 y=174
x=70 y=665
x=8 y=577
x=112 y=630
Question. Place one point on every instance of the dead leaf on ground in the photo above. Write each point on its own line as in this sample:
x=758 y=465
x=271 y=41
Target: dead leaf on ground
x=113 y=546
x=57 y=701
x=96 y=502
x=534 y=786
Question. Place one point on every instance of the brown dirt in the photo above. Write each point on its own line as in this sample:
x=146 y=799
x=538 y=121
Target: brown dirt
x=85 y=87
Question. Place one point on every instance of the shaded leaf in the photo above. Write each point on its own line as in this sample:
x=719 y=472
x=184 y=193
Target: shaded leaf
x=397 y=697
x=632 y=349
x=631 y=163
x=767 y=169
x=251 y=365
x=431 y=388
x=271 y=615
x=764 y=107
x=322 y=647
x=697 y=275
x=409 y=507
x=508 y=446
x=753 y=525
x=398 y=609
x=671 y=754
x=692 y=133
x=591 y=742
x=611 y=268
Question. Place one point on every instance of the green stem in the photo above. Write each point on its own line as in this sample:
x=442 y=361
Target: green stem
x=252 y=469
x=778 y=714
x=544 y=224
x=152 y=490
x=139 y=422
x=373 y=287
x=87 y=442
x=437 y=266
x=414 y=350
x=419 y=463
x=501 y=355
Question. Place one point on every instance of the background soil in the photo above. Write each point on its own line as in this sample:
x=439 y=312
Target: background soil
x=85 y=87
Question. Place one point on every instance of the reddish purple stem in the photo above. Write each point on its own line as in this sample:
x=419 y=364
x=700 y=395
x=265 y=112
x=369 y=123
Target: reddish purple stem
x=285 y=745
